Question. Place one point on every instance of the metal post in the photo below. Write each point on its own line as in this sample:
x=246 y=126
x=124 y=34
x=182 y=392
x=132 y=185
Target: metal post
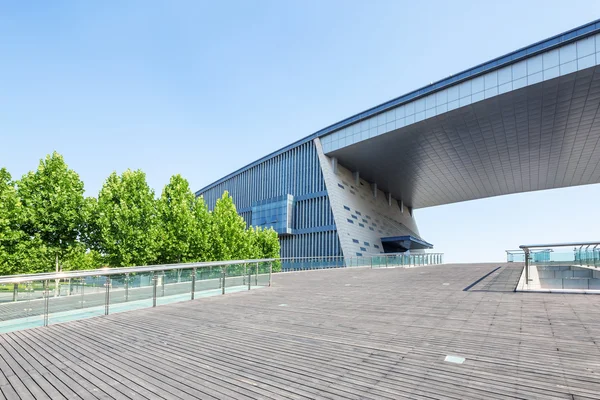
x=224 y=275
x=82 y=291
x=46 y=300
x=15 y=291
x=256 y=276
x=526 y=266
x=270 y=272
x=107 y=296
x=193 y=282
x=126 y=287
x=162 y=284
x=249 y=277
x=154 y=283
x=244 y=275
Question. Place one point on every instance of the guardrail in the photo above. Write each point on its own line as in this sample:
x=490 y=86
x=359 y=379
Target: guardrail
x=584 y=254
x=41 y=299
x=375 y=261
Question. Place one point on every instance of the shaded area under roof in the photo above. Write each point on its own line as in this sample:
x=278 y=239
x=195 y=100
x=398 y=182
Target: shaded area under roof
x=400 y=244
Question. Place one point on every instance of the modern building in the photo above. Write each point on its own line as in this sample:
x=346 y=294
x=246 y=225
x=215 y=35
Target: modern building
x=525 y=121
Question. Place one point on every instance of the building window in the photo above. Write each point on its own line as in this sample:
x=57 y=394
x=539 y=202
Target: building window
x=358 y=212
x=361 y=225
x=354 y=216
x=355 y=240
x=363 y=249
x=346 y=208
x=349 y=220
x=367 y=244
x=371 y=229
x=340 y=185
x=359 y=254
x=376 y=246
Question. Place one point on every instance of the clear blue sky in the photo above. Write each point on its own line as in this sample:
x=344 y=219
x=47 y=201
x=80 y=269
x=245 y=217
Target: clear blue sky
x=203 y=88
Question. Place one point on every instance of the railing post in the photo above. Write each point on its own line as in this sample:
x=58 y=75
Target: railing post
x=15 y=291
x=154 y=283
x=256 y=276
x=249 y=277
x=223 y=276
x=82 y=287
x=526 y=266
x=107 y=296
x=270 y=272
x=46 y=300
x=162 y=284
x=193 y=283
x=126 y=287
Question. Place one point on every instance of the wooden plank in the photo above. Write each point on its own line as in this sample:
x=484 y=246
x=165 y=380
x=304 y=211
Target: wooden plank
x=346 y=333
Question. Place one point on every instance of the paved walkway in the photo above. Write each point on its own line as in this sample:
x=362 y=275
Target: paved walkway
x=347 y=333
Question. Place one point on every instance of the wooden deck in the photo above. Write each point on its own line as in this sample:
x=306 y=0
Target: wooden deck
x=337 y=334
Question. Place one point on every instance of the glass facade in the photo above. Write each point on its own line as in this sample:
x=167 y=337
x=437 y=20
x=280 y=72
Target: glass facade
x=276 y=214
x=286 y=192
x=286 y=189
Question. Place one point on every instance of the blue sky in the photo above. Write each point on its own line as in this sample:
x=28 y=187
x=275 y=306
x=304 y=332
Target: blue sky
x=203 y=88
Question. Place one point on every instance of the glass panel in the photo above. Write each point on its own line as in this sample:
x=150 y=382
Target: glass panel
x=173 y=286
x=262 y=278
x=208 y=282
x=21 y=306
x=78 y=298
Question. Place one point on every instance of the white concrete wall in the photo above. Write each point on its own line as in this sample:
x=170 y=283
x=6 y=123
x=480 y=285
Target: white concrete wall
x=373 y=217
x=558 y=277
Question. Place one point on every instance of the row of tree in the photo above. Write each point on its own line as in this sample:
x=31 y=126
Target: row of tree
x=47 y=223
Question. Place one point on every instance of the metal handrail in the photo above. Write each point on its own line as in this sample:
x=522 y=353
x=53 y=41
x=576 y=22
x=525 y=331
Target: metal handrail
x=573 y=244
x=107 y=271
x=528 y=247
x=121 y=270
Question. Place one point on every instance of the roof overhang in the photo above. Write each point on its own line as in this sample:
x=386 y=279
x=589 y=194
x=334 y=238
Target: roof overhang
x=400 y=244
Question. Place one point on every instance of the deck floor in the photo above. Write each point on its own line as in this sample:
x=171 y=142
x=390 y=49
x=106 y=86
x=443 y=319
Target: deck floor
x=340 y=334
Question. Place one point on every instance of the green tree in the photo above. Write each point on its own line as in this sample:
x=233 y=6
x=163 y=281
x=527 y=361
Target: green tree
x=200 y=243
x=177 y=223
x=228 y=230
x=252 y=250
x=125 y=220
x=267 y=243
x=52 y=202
x=79 y=257
x=10 y=218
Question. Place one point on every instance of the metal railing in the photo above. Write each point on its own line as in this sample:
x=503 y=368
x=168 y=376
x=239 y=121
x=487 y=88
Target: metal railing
x=584 y=254
x=374 y=261
x=42 y=299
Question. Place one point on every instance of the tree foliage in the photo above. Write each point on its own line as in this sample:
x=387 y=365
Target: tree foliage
x=52 y=202
x=10 y=219
x=45 y=218
x=126 y=223
x=228 y=230
x=177 y=222
x=200 y=244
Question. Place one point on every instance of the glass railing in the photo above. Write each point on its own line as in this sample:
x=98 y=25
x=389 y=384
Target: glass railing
x=28 y=301
x=375 y=261
x=43 y=299
x=408 y=260
x=582 y=254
